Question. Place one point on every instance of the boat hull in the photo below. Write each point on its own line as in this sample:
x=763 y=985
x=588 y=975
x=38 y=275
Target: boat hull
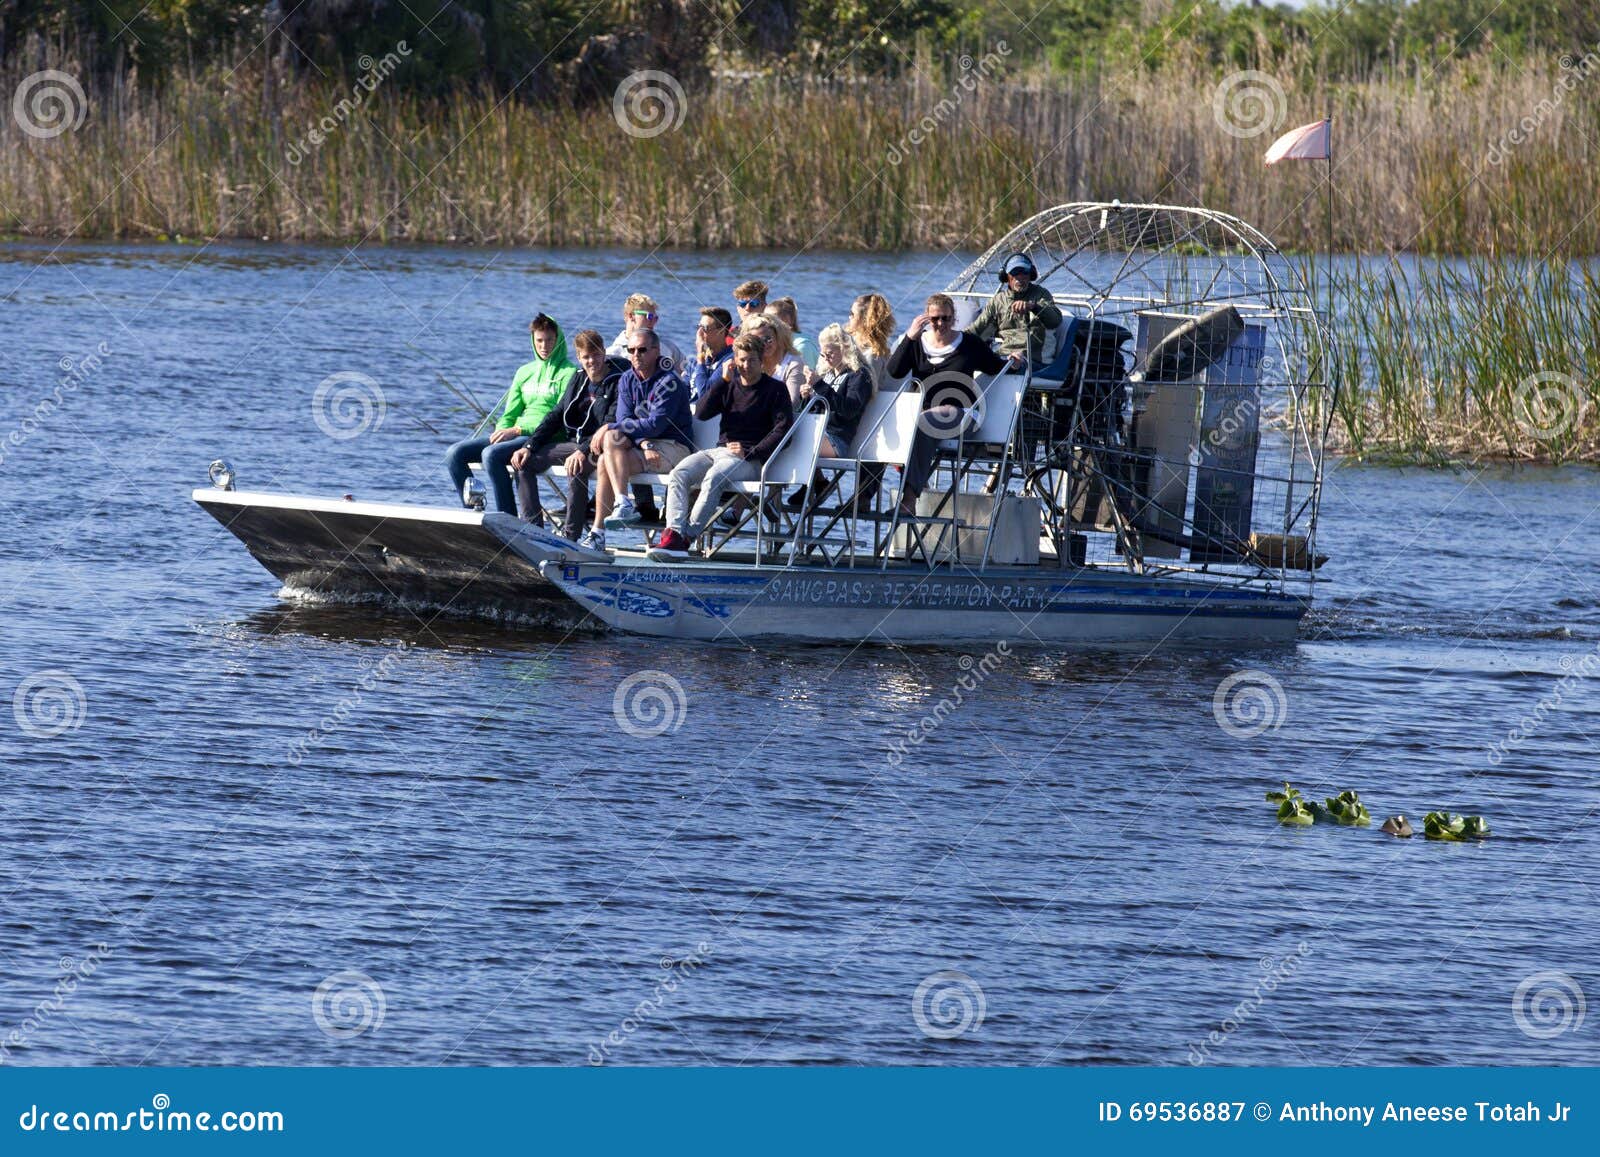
x=454 y=561
x=916 y=606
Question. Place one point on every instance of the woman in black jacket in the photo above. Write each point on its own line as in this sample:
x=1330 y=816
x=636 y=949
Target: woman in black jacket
x=946 y=363
x=845 y=384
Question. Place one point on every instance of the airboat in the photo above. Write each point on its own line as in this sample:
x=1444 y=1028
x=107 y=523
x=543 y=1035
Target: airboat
x=1154 y=477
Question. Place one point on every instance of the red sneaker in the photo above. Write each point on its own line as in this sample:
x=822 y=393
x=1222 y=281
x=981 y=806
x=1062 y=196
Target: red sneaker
x=670 y=546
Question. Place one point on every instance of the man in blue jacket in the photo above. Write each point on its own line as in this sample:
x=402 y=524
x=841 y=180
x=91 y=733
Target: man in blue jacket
x=713 y=346
x=653 y=432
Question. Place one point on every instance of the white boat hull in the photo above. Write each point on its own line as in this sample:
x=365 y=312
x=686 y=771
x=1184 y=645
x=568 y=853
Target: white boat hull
x=914 y=606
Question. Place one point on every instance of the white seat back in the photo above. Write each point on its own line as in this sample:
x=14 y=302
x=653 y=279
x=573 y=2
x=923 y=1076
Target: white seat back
x=1002 y=399
x=706 y=431
x=893 y=423
x=795 y=462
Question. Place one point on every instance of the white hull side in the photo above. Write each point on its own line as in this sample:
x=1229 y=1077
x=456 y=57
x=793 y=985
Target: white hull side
x=697 y=601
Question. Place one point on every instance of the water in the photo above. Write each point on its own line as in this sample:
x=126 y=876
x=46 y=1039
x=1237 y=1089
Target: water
x=260 y=799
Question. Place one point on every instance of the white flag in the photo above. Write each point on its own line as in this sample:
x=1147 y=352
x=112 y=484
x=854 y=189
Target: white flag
x=1306 y=143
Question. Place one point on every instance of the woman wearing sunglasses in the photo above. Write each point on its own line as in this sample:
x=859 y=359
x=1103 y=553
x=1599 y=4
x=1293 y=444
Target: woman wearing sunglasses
x=946 y=363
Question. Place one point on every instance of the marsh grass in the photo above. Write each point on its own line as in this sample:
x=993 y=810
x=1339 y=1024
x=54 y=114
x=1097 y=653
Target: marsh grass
x=785 y=162
x=1477 y=359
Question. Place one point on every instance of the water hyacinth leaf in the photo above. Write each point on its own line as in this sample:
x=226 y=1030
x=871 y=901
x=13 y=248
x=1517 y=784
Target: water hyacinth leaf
x=1346 y=808
x=1454 y=828
x=1398 y=826
x=1288 y=793
x=1296 y=813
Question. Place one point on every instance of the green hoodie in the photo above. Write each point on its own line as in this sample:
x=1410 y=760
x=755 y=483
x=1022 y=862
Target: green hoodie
x=537 y=388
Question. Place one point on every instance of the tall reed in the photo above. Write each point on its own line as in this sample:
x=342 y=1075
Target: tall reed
x=1482 y=358
x=796 y=163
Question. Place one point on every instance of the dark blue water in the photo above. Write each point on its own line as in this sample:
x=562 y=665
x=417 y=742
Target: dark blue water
x=216 y=803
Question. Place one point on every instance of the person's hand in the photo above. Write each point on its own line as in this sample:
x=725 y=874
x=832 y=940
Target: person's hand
x=576 y=463
x=736 y=448
x=1019 y=307
x=519 y=459
x=1016 y=361
x=918 y=324
x=505 y=435
x=597 y=443
x=805 y=391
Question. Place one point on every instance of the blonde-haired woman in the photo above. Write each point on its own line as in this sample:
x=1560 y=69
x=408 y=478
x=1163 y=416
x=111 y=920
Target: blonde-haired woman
x=780 y=361
x=871 y=324
x=845 y=384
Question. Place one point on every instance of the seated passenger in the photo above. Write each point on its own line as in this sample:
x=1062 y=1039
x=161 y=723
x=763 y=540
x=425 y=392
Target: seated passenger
x=946 y=363
x=712 y=349
x=750 y=298
x=640 y=311
x=1021 y=314
x=871 y=324
x=845 y=384
x=777 y=355
x=563 y=438
x=652 y=433
x=755 y=415
x=783 y=308
x=535 y=392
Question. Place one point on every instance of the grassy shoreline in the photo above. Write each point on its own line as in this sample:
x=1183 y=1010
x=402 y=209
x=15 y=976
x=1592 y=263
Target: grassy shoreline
x=922 y=161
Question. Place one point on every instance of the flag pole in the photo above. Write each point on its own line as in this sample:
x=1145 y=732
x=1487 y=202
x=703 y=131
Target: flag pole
x=1327 y=193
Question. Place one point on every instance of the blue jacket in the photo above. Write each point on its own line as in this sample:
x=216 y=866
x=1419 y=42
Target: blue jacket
x=658 y=408
x=703 y=374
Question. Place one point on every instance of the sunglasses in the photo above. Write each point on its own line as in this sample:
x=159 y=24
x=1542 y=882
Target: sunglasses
x=709 y=325
x=636 y=350
x=748 y=302
x=940 y=318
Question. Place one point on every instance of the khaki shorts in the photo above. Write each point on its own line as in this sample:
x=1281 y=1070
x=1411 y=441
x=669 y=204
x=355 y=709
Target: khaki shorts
x=662 y=454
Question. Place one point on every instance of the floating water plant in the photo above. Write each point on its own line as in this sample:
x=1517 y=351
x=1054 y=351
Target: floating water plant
x=1449 y=826
x=1398 y=826
x=1346 y=808
x=1291 y=808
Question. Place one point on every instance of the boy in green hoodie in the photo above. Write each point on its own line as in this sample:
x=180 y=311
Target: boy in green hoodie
x=534 y=393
